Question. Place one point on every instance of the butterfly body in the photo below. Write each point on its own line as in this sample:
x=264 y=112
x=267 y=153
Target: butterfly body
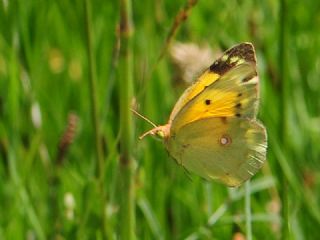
x=212 y=130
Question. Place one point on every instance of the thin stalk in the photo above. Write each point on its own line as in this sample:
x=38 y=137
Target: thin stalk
x=283 y=84
x=15 y=180
x=125 y=70
x=247 y=200
x=94 y=110
x=181 y=17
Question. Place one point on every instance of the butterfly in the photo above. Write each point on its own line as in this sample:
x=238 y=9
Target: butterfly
x=212 y=130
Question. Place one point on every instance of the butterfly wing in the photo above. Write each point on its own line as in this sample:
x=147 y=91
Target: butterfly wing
x=227 y=150
x=213 y=131
x=227 y=89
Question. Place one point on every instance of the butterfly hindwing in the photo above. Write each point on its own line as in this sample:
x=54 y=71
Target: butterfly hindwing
x=227 y=150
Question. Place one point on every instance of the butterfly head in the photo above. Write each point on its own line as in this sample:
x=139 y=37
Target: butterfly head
x=160 y=131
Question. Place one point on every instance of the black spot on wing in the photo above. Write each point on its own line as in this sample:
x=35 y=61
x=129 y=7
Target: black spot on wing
x=185 y=145
x=207 y=101
x=238 y=105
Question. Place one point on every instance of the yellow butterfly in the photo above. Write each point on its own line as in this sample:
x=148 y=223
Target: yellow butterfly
x=212 y=130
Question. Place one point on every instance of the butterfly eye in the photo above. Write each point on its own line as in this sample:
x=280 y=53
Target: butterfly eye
x=225 y=140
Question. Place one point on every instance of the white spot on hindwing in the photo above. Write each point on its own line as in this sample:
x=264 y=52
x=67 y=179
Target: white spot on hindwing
x=225 y=140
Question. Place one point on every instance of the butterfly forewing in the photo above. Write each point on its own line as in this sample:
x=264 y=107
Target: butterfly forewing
x=243 y=52
x=233 y=93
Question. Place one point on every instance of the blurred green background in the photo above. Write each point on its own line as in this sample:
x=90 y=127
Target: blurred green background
x=49 y=185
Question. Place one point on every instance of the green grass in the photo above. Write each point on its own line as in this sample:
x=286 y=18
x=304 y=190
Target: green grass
x=45 y=67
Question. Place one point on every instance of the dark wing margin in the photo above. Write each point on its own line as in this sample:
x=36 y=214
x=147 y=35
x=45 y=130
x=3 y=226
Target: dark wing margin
x=243 y=52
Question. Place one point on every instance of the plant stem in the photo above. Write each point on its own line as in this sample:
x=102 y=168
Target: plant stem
x=94 y=110
x=127 y=205
x=181 y=17
x=283 y=84
x=248 y=210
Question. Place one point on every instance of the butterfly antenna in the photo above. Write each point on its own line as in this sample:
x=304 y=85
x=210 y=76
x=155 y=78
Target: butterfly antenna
x=151 y=132
x=143 y=117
